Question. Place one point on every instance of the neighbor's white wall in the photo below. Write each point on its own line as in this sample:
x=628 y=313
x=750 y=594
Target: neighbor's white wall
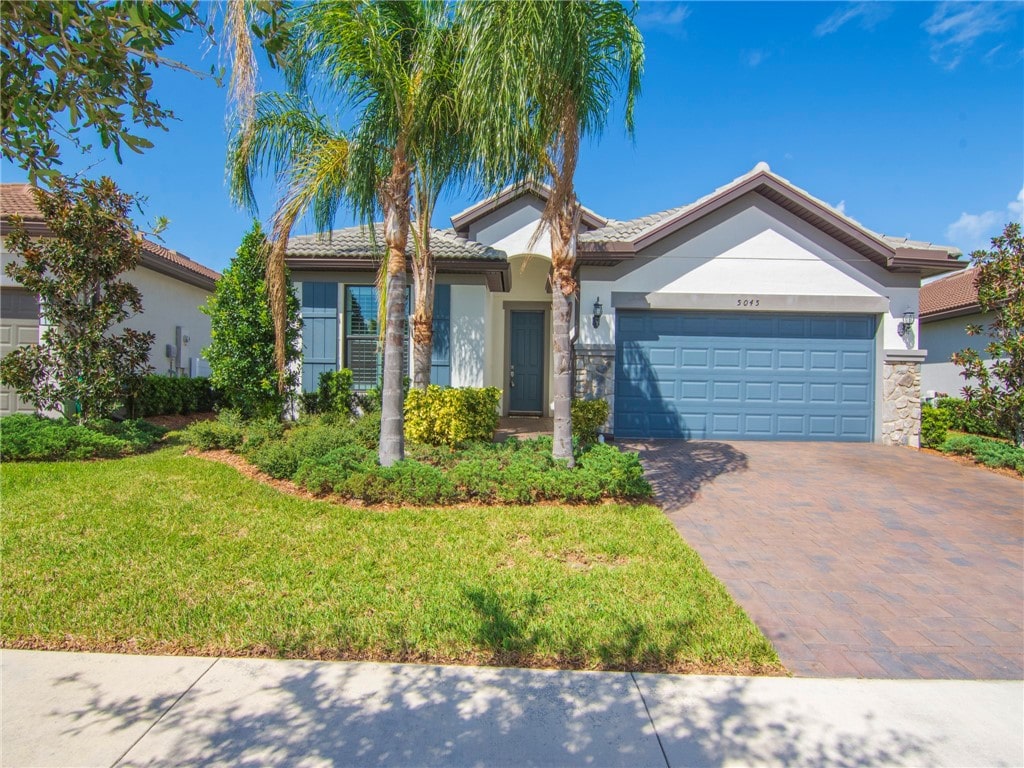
x=168 y=303
x=749 y=247
x=942 y=338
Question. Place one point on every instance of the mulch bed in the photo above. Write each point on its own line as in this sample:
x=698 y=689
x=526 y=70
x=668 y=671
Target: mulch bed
x=967 y=461
x=178 y=421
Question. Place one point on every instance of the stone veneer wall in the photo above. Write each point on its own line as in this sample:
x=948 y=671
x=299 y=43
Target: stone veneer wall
x=901 y=403
x=595 y=377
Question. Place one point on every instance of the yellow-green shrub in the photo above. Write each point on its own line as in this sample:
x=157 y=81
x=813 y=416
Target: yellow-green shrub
x=449 y=416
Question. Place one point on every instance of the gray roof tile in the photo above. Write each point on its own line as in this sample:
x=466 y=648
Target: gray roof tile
x=355 y=242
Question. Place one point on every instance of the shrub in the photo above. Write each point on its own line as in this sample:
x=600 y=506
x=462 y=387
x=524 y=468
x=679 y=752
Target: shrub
x=588 y=416
x=334 y=394
x=366 y=430
x=619 y=473
x=329 y=472
x=934 y=426
x=241 y=354
x=315 y=440
x=226 y=433
x=260 y=432
x=403 y=482
x=163 y=395
x=34 y=438
x=278 y=459
x=450 y=416
x=964 y=418
x=991 y=453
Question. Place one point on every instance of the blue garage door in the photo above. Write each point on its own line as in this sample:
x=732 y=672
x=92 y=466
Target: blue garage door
x=744 y=376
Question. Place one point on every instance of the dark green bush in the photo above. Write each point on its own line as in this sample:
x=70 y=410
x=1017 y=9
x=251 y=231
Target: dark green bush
x=331 y=471
x=34 y=438
x=366 y=430
x=223 y=433
x=334 y=394
x=260 y=432
x=934 y=426
x=164 y=395
x=278 y=459
x=962 y=418
x=991 y=453
x=316 y=439
x=405 y=482
x=450 y=415
x=619 y=473
x=588 y=416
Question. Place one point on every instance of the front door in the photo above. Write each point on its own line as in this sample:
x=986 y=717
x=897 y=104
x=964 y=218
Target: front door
x=526 y=362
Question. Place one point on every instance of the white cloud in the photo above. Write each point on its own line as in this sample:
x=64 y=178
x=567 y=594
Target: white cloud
x=755 y=58
x=841 y=207
x=954 y=27
x=976 y=230
x=665 y=15
x=868 y=15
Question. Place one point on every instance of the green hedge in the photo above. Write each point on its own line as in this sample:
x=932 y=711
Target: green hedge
x=34 y=438
x=451 y=416
x=962 y=418
x=339 y=457
x=168 y=395
x=991 y=453
x=934 y=426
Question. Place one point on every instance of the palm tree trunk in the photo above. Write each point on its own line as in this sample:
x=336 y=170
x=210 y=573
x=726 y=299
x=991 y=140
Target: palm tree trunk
x=396 y=235
x=277 y=292
x=422 y=329
x=563 y=289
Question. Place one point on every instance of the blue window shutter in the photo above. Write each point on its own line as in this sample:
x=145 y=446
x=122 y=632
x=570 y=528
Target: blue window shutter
x=319 y=332
x=441 y=356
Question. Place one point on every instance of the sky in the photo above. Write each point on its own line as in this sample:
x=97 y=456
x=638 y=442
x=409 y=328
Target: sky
x=908 y=117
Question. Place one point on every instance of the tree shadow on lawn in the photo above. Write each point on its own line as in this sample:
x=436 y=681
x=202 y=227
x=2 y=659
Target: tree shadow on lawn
x=258 y=712
x=677 y=469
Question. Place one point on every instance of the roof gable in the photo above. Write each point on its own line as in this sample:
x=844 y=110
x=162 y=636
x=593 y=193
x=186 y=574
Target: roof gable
x=18 y=199
x=464 y=219
x=622 y=239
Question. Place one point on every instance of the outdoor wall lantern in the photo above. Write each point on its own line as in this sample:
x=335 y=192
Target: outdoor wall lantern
x=908 y=323
x=597 y=312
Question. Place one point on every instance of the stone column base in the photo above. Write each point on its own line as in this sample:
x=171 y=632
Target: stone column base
x=901 y=403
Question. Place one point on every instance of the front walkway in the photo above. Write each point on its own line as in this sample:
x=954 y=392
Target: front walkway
x=857 y=559
x=64 y=709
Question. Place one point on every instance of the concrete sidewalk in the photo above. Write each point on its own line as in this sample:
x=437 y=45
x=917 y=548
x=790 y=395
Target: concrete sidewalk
x=67 y=709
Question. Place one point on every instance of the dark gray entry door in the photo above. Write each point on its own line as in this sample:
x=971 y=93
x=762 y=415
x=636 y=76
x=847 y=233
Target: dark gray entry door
x=526 y=362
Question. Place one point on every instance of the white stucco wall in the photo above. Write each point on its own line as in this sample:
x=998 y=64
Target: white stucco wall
x=942 y=338
x=168 y=303
x=752 y=250
x=468 y=335
x=513 y=228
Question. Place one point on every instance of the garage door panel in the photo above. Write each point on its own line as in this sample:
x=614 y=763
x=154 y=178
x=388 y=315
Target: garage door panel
x=745 y=375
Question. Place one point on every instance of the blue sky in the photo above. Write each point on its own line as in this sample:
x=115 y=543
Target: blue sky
x=907 y=116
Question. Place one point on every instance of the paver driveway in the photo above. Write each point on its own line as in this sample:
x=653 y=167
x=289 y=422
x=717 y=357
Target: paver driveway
x=857 y=559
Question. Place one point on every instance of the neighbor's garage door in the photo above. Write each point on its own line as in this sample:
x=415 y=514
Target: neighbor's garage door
x=19 y=324
x=744 y=376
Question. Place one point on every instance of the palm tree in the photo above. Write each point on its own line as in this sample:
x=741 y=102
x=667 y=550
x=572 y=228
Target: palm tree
x=537 y=78
x=378 y=61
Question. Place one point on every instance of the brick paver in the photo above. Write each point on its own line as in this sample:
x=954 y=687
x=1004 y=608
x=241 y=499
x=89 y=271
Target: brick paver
x=857 y=559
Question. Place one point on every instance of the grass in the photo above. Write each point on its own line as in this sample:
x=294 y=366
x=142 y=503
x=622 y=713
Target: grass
x=175 y=554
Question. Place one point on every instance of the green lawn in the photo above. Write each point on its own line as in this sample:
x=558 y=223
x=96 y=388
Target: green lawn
x=170 y=553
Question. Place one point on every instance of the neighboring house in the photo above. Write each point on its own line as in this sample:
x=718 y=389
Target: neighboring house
x=173 y=287
x=757 y=312
x=948 y=306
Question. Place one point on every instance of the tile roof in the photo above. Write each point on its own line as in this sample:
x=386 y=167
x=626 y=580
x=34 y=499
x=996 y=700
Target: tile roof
x=634 y=229
x=18 y=199
x=355 y=243
x=949 y=294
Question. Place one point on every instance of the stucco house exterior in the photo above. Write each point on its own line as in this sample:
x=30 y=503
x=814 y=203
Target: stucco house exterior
x=948 y=306
x=756 y=312
x=173 y=288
